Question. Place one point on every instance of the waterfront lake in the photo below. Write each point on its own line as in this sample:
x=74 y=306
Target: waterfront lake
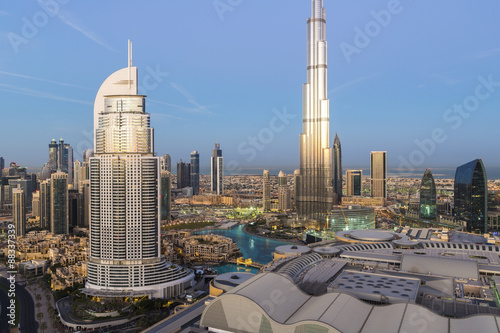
x=258 y=248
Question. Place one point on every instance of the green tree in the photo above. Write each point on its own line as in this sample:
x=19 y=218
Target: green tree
x=43 y=326
x=39 y=316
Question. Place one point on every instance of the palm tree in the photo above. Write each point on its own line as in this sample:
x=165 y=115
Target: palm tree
x=39 y=316
x=38 y=297
x=43 y=326
x=38 y=305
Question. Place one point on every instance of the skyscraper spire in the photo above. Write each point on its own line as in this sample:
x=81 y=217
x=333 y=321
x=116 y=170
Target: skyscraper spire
x=337 y=170
x=315 y=192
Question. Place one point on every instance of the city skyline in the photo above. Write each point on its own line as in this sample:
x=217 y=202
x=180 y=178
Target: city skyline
x=394 y=85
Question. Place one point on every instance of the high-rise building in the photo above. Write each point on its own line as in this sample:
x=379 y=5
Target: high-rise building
x=19 y=211
x=165 y=163
x=2 y=165
x=125 y=256
x=75 y=208
x=428 y=207
x=183 y=175
x=266 y=191
x=35 y=205
x=217 y=170
x=378 y=174
x=88 y=153
x=471 y=196
x=59 y=213
x=85 y=189
x=166 y=194
x=60 y=159
x=77 y=166
x=195 y=172
x=337 y=170
x=25 y=185
x=354 y=181
x=315 y=195
x=45 y=204
x=284 y=200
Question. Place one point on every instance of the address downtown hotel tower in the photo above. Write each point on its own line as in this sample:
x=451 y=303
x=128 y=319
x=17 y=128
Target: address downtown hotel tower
x=315 y=191
x=125 y=258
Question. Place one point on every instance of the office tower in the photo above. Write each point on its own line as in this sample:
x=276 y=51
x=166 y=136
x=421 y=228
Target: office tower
x=315 y=195
x=354 y=182
x=25 y=185
x=60 y=159
x=217 y=170
x=284 y=202
x=166 y=163
x=45 y=204
x=428 y=208
x=88 y=153
x=53 y=156
x=195 y=172
x=471 y=196
x=125 y=258
x=337 y=170
x=266 y=191
x=45 y=172
x=183 y=175
x=33 y=178
x=2 y=196
x=77 y=166
x=2 y=165
x=35 y=205
x=296 y=181
x=166 y=190
x=59 y=217
x=19 y=211
x=85 y=190
x=75 y=208
x=378 y=174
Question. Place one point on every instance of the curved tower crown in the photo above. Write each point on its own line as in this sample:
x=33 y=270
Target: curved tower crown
x=125 y=196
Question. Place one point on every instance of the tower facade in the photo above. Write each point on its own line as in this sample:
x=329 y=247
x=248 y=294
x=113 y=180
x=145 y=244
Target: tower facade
x=266 y=191
x=166 y=163
x=183 y=175
x=428 y=208
x=337 y=170
x=19 y=211
x=59 y=210
x=315 y=191
x=284 y=202
x=378 y=174
x=354 y=182
x=45 y=204
x=166 y=193
x=125 y=192
x=195 y=172
x=217 y=170
x=471 y=196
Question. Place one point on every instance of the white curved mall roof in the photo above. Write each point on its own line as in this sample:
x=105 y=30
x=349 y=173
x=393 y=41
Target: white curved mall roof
x=293 y=249
x=271 y=301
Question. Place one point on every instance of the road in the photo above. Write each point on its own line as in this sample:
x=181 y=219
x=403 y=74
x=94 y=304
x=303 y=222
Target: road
x=180 y=319
x=27 y=308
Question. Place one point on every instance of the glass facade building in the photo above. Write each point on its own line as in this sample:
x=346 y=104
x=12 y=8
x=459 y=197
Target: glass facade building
x=351 y=218
x=195 y=172
x=354 y=182
x=471 y=196
x=337 y=169
x=378 y=174
x=428 y=208
x=166 y=186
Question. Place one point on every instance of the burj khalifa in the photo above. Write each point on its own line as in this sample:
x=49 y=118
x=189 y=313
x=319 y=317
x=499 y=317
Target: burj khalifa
x=315 y=190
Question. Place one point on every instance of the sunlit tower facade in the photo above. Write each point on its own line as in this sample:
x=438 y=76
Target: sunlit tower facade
x=266 y=191
x=315 y=191
x=125 y=203
x=19 y=211
x=354 y=181
x=378 y=174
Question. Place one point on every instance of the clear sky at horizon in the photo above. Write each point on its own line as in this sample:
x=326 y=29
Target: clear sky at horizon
x=230 y=70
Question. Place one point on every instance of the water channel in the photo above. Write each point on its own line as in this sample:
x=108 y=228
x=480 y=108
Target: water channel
x=258 y=248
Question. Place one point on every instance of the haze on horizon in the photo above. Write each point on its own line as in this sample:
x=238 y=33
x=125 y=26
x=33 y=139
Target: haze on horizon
x=398 y=73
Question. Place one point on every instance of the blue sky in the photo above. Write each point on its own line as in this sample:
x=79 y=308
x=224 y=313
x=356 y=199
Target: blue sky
x=225 y=69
